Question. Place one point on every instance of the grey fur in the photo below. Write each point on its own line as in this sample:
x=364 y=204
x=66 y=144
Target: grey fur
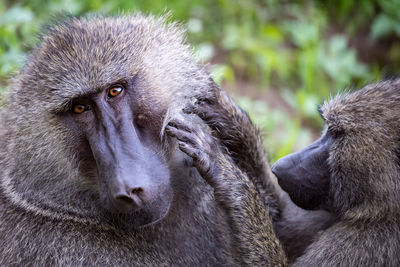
x=50 y=213
x=365 y=171
x=294 y=226
x=254 y=239
x=362 y=226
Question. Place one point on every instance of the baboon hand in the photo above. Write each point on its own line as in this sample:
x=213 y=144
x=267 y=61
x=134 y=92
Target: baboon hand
x=207 y=107
x=219 y=112
x=199 y=145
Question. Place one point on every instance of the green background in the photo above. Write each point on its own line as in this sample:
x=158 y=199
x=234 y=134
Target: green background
x=279 y=59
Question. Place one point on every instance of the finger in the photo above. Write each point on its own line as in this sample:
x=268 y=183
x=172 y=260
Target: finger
x=180 y=125
x=189 y=150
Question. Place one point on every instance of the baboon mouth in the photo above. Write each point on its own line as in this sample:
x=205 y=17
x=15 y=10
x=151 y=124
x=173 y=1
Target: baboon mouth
x=157 y=210
x=159 y=219
x=150 y=214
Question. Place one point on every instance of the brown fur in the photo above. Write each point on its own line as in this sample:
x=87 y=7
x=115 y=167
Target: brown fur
x=49 y=196
x=362 y=227
x=364 y=189
x=294 y=226
x=248 y=218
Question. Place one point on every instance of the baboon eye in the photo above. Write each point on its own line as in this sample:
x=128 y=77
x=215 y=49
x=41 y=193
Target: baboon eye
x=114 y=91
x=80 y=108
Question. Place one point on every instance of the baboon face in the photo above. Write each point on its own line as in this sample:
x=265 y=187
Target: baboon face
x=305 y=175
x=87 y=114
x=122 y=142
x=356 y=159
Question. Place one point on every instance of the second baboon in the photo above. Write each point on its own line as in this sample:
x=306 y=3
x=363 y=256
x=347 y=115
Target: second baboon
x=87 y=177
x=295 y=227
x=352 y=171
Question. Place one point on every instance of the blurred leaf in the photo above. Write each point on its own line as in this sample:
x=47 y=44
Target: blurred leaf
x=16 y=15
x=204 y=52
x=223 y=73
x=382 y=26
x=303 y=33
x=340 y=63
x=272 y=32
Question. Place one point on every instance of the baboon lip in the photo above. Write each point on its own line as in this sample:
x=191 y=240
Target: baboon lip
x=159 y=219
x=150 y=214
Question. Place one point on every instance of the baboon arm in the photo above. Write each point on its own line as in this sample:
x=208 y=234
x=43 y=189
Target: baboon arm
x=242 y=139
x=254 y=241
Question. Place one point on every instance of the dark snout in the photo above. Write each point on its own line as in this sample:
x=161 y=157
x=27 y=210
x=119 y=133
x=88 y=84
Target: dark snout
x=131 y=174
x=129 y=186
x=305 y=175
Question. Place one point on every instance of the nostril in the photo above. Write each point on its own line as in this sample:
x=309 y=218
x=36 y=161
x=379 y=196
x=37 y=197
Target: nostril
x=136 y=190
x=132 y=200
x=136 y=196
x=124 y=199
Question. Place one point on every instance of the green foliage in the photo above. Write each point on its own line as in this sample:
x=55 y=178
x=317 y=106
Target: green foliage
x=304 y=50
x=388 y=21
x=282 y=134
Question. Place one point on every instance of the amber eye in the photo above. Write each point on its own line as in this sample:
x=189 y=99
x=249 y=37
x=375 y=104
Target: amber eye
x=79 y=108
x=114 y=91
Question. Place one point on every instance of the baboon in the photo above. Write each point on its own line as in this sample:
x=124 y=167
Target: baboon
x=351 y=172
x=231 y=125
x=88 y=175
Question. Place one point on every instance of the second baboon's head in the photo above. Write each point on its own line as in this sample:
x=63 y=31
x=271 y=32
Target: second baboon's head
x=85 y=118
x=355 y=164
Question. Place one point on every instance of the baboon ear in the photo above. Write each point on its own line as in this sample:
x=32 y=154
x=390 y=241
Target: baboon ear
x=305 y=175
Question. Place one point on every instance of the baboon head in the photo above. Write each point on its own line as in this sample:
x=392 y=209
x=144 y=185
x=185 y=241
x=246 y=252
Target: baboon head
x=85 y=119
x=355 y=164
